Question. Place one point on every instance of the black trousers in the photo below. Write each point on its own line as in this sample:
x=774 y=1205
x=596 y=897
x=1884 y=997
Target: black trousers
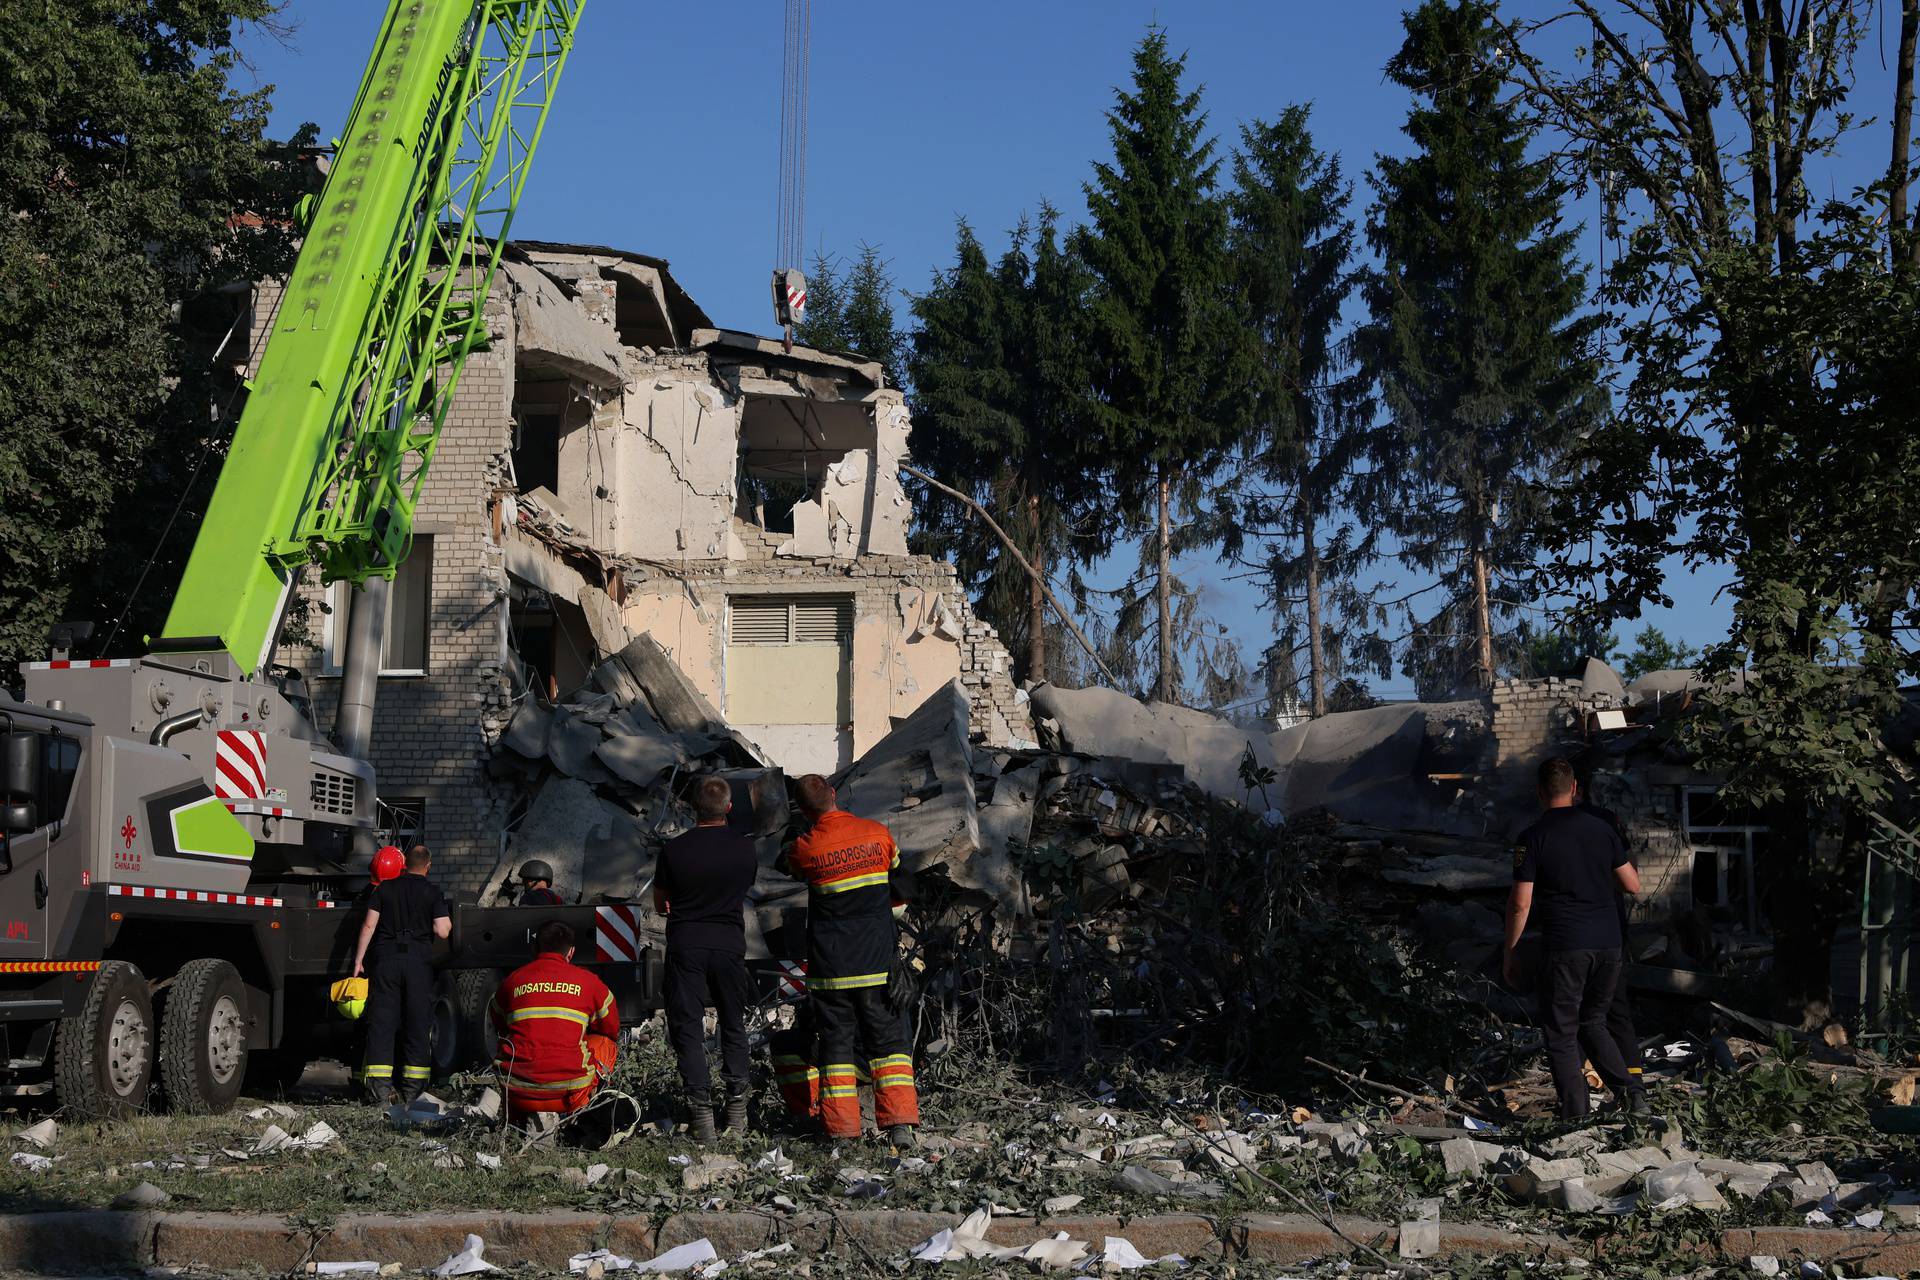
x=698 y=979
x=1626 y=1039
x=1576 y=991
x=857 y=1026
x=399 y=1017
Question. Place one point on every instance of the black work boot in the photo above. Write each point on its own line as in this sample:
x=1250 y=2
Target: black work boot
x=736 y=1117
x=700 y=1121
x=903 y=1137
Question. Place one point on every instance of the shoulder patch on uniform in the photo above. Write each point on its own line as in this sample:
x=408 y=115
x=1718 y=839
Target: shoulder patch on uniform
x=1519 y=856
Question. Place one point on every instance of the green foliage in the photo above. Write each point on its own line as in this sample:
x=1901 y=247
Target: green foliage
x=1483 y=363
x=1289 y=240
x=1170 y=360
x=1001 y=413
x=1767 y=420
x=850 y=308
x=1654 y=651
x=1785 y=1093
x=1561 y=650
x=125 y=160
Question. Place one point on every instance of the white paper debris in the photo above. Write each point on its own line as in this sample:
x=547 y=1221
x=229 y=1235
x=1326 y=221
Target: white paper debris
x=1871 y=1219
x=280 y=1110
x=40 y=1135
x=607 y=1258
x=32 y=1163
x=1765 y=1263
x=1119 y=1254
x=486 y=1160
x=468 y=1261
x=775 y=1160
x=596 y=1172
x=1060 y=1204
x=272 y=1140
x=683 y=1257
x=345 y=1268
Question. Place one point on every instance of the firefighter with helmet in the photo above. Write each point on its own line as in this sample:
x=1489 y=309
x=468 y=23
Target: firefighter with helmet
x=536 y=885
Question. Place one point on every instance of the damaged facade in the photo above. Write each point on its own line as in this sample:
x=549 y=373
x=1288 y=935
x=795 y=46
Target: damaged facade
x=615 y=466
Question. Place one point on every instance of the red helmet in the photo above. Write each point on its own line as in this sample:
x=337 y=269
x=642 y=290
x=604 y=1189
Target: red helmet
x=388 y=863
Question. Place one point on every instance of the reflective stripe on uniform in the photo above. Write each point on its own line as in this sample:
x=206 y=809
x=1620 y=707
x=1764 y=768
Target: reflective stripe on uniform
x=549 y=1086
x=377 y=1071
x=531 y=1012
x=893 y=1072
x=847 y=984
x=416 y=1073
x=852 y=882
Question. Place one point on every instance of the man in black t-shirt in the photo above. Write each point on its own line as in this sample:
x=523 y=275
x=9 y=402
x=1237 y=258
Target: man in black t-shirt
x=404 y=917
x=701 y=886
x=1568 y=872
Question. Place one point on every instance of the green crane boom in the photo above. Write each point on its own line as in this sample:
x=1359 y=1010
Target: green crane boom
x=386 y=301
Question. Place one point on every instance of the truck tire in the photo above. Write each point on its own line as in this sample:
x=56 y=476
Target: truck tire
x=103 y=1056
x=460 y=1033
x=203 y=1038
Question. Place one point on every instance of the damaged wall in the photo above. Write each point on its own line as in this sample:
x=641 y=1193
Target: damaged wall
x=588 y=489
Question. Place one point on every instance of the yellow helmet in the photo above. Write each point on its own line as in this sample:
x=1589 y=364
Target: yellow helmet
x=350 y=996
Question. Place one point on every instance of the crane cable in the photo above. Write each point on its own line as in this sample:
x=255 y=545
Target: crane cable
x=791 y=205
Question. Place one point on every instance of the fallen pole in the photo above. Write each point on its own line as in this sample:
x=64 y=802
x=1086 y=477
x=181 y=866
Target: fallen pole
x=1113 y=681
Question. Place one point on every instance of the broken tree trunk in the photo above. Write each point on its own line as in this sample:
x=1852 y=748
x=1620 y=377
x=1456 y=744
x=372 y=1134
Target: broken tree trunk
x=1316 y=644
x=1163 y=589
x=1036 y=600
x=1482 y=611
x=1113 y=681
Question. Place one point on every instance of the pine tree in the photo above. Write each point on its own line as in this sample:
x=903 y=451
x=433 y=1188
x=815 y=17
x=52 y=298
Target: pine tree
x=1169 y=359
x=850 y=308
x=1290 y=243
x=1000 y=411
x=1484 y=365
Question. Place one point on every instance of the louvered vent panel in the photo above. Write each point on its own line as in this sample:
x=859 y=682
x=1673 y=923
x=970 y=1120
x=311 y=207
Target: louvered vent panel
x=759 y=622
x=819 y=621
x=334 y=793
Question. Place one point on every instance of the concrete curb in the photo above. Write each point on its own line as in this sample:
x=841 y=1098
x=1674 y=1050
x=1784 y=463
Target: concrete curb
x=98 y=1240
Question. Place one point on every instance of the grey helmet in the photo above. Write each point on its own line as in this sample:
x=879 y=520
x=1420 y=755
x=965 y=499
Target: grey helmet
x=535 y=869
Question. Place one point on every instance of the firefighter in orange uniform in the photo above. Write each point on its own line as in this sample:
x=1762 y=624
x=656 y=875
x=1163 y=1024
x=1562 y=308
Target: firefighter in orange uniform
x=558 y=1029
x=854 y=880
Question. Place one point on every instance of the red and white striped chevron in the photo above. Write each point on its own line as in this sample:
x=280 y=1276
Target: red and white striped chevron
x=239 y=764
x=793 y=980
x=616 y=934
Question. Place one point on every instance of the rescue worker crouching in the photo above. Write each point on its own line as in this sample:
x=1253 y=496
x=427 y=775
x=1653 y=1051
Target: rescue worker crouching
x=558 y=1030
x=852 y=870
x=404 y=917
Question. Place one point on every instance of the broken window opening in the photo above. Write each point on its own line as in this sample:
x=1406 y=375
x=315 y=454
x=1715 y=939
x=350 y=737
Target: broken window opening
x=1727 y=842
x=536 y=449
x=403 y=821
x=404 y=648
x=553 y=642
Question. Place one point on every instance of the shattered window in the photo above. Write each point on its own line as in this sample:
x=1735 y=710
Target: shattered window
x=409 y=616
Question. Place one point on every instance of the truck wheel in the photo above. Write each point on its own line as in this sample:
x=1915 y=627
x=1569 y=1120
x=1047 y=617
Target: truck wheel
x=460 y=1029
x=103 y=1055
x=203 y=1038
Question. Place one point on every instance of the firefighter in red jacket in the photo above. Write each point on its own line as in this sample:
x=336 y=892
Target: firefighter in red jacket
x=854 y=880
x=558 y=1027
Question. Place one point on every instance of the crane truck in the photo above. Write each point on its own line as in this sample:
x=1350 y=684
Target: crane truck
x=178 y=840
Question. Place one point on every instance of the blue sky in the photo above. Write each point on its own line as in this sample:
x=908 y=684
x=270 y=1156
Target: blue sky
x=664 y=139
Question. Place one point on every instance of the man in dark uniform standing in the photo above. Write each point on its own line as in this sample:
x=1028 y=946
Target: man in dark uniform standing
x=854 y=880
x=1620 y=1025
x=404 y=917
x=1572 y=867
x=701 y=884
x=536 y=885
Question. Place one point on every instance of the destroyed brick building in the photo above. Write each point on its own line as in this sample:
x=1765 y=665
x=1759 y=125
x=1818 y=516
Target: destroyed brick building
x=614 y=466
